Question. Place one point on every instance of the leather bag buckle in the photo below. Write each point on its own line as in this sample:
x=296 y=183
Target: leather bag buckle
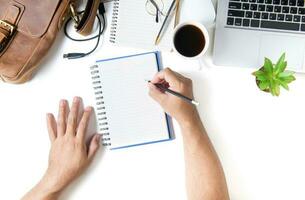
x=6 y=34
x=75 y=15
x=8 y=26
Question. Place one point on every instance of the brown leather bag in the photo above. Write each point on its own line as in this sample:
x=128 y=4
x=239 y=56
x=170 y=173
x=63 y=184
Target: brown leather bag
x=28 y=29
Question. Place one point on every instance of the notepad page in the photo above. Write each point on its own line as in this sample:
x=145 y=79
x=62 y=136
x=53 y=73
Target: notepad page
x=133 y=117
x=137 y=27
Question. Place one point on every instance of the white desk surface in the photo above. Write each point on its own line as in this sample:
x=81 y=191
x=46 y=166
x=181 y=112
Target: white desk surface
x=259 y=138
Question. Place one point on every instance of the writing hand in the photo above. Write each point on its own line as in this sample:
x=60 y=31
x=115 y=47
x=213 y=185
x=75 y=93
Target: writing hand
x=182 y=111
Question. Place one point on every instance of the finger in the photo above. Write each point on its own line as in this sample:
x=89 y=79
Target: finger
x=93 y=146
x=156 y=94
x=73 y=115
x=157 y=78
x=51 y=123
x=83 y=124
x=169 y=76
x=178 y=75
x=62 y=117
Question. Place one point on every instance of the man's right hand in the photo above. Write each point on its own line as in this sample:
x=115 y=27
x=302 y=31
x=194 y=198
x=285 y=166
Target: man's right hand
x=184 y=112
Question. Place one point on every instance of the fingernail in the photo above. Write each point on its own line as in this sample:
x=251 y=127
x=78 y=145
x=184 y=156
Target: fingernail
x=98 y=138
x=89 y=108
x=62 y=102
x=76 y=99
x=48 y=115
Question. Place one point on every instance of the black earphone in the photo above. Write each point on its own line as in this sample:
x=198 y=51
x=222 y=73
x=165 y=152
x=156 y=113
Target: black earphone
x=101 y=27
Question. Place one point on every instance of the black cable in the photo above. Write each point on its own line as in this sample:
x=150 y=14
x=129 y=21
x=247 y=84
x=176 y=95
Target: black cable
x=101 y=24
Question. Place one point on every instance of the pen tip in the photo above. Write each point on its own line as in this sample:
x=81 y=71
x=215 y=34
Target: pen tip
x=157 y=40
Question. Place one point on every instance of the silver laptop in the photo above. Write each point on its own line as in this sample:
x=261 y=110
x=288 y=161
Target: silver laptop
x=249 y=30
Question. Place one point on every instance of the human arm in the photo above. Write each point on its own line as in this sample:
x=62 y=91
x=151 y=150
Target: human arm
x=205 y=179
x=69 y=155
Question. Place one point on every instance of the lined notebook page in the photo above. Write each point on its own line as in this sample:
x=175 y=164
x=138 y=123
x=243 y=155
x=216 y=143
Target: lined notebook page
x=133 y=117
x=135 y=26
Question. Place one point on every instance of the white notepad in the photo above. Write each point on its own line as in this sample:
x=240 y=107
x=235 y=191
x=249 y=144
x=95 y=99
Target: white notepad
x=126 y=115
x=134 y=24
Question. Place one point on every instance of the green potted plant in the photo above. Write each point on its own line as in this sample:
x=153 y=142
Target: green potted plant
x=271 y=77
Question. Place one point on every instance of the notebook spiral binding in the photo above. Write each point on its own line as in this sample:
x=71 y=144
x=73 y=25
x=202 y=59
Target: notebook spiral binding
x=114 y=22
x=100 y=105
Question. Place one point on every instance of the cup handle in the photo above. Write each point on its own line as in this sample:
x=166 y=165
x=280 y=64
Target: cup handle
x=203 y=65
x=210 y=25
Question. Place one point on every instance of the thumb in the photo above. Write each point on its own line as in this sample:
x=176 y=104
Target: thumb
x=156 y=94
x=94 y=146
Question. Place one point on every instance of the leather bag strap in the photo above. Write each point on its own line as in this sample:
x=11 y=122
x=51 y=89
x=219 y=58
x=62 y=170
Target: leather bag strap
x=86 y=22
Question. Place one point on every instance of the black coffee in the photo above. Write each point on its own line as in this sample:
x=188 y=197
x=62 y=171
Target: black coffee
x=189 y=41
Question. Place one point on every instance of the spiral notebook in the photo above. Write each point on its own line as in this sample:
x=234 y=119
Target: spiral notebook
x=134 y=24
x=126 y=115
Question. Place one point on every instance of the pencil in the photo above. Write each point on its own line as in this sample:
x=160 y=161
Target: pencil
x=177 y=15
x=187 y=99
x=164 y=22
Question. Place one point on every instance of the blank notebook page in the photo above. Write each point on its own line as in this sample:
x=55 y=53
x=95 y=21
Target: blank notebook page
x=133 y=117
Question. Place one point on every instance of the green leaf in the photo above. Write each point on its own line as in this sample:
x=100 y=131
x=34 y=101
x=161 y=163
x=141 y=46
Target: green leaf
x=280 y=65
x=288 y=79
x=263 y=85
x=262 y=77
x=258 y=73
x=277 y=90
x=272 y=87
x=282 y=83
x=268 y=66
x=285 y=74
x=281 y=68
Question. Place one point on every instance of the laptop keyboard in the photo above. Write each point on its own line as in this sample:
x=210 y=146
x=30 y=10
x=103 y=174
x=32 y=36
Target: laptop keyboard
x=285 y=15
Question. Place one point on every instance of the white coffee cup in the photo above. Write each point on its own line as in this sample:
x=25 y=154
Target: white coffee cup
x=204 y=33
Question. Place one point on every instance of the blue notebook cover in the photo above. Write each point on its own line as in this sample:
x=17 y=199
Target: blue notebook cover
x=104 y=72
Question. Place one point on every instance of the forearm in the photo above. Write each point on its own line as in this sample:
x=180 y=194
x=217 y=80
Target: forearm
x=42 y=192
x=204 y=174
